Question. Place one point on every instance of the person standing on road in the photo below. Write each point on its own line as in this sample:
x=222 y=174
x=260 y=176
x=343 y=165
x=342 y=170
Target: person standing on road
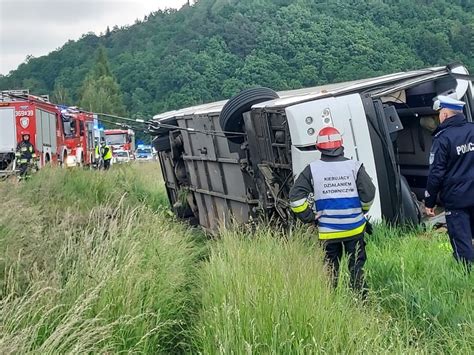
x=343 y=194
x=25 y=154
x=106 y=155
x=452 y=175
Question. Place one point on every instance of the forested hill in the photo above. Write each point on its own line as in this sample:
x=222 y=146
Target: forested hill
x=214 y=48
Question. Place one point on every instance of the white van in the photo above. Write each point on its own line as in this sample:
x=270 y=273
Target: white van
x=237 y=159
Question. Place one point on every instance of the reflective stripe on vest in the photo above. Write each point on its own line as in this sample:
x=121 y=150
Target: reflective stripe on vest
x=337 y=199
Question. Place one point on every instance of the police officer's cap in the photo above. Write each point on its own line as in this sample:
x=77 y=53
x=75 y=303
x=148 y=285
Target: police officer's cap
x=448 y=102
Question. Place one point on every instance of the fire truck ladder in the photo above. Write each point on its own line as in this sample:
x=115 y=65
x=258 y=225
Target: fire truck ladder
x=21 y=95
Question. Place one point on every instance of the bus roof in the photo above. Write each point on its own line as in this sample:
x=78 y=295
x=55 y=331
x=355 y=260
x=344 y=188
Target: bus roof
x=292 y=97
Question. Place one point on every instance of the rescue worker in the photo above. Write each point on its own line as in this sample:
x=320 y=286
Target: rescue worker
x=106 y=155
x=97 y=159
x=452 y=175
x=25 y=154
x=343 y=193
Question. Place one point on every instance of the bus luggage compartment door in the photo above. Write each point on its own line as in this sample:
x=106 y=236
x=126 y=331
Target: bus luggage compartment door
x=217 y=172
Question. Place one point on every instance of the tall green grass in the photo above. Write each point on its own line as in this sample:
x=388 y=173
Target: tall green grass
x=416 y=280
x=264 y=294
x=94 y=262
x=91 y=264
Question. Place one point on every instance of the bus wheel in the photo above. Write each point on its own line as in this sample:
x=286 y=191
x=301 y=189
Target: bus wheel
x=231 y=119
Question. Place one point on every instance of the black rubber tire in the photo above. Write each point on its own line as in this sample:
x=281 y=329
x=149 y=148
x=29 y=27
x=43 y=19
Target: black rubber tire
x=162 y=143
x=409 y=209
x=231 y=119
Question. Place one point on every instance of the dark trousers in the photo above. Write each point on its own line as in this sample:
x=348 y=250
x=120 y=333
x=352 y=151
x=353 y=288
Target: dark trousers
x=355 y=251
x=106 y=164
x=461 y=233
x=25 y=171
x=23 y=168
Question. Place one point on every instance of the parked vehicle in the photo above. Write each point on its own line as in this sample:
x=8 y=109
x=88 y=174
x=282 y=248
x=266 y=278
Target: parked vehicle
x=121 y=139
x=121 y=157
x=144 y=153
x=22 y=113
x=79 y=133
x=237 y=160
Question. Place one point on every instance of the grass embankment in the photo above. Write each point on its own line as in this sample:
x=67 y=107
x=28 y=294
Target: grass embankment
x=262 y=294
x=93 y=262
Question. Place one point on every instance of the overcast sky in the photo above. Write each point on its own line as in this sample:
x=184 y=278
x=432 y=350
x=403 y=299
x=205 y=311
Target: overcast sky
x=38 y=27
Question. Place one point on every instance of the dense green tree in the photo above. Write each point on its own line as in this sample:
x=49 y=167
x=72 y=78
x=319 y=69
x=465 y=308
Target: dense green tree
x=100 y=91
x=214 y=48
x=61 y=94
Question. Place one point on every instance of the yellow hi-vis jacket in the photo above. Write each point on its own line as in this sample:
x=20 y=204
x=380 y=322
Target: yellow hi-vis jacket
x=106 y=153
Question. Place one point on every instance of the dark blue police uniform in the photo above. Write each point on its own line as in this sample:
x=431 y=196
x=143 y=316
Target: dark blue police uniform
x=452 y=175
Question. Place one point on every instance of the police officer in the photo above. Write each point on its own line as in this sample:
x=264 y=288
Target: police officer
x=343 y=194
x=106 y=155
x=25 y=153
x=452 y=175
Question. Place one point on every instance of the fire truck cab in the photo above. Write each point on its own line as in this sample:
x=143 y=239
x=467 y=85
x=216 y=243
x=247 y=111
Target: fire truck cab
x=79 y=134
x=121 y=139
x=22 y=113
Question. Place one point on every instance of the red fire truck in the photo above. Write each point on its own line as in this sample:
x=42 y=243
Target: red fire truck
x=121 y=139
x=59 y=137
x=79 y=134
x=21 y=113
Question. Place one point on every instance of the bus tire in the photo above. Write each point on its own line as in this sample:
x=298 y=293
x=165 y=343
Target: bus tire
x=162 y=143
x=231 y=119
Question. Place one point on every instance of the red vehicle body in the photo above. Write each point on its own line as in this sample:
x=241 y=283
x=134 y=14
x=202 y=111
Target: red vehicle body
x=21 y=113
x=78 y=127
x=121 y=139
x=34 y=116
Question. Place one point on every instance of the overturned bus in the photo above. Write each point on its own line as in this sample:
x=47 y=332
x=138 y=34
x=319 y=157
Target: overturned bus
x=236 y=160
